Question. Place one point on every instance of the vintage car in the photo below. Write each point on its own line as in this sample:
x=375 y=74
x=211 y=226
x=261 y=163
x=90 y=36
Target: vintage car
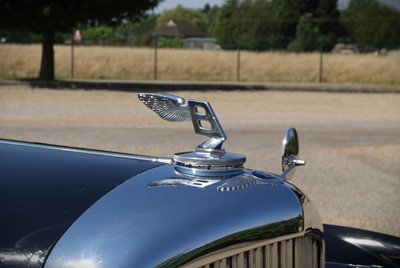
x=70 y=207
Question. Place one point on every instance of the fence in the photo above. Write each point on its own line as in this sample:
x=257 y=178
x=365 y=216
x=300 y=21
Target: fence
x=127 y=63
x=345 y=66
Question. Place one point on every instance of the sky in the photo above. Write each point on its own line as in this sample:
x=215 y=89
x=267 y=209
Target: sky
x=169 y=4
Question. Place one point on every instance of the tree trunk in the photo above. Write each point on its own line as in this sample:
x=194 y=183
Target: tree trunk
x=47 y=64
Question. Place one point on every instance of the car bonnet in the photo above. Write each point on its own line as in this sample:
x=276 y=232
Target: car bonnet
x=44 y=189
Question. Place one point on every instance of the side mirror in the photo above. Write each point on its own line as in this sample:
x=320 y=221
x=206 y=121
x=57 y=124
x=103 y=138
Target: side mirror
x=290 y=152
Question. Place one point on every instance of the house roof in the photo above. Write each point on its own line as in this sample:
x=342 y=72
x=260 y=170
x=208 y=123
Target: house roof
x=179 y=29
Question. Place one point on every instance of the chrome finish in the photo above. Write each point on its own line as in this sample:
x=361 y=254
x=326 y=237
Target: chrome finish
x=216 y=214
x=236 y=180
x=173 y=108
x=202 y=112
x=195 y=182
x=208 y=155
x=285 y=252
x=290 y=143
x=209 y=160
x=183 y=178
x=290 y=152
x=163 y=160
x=247 y=179
x=136 y=225
x=214 y=173
x=209 y=163
x=169 y=107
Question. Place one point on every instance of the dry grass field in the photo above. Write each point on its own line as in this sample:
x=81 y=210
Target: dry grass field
x=127 y=63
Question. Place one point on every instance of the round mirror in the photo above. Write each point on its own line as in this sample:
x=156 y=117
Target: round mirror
x=290 y=143
x=290 y=148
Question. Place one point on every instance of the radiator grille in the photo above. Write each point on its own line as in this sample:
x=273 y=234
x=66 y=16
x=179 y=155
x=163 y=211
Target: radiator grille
x=297 y=252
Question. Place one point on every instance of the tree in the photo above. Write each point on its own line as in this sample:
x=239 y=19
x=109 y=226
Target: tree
x=212 y=17
x=51 y=16
x=98 y=35
x=351 y=15
x=136 y=33
x=226 y=25
x=287 y=14
x=372 y=25
x=307 y=35
x=255 y=27
x=274 y=24
x=328 y=23
x=192 y=16
x=317 y=28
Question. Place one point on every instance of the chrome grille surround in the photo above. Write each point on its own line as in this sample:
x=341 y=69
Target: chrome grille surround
x=283 y=252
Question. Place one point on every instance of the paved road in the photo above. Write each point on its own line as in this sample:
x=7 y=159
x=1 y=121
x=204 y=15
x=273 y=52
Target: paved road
x=351 y=141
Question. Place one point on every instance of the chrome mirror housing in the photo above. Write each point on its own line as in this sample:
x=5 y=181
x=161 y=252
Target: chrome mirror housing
x=290 y=152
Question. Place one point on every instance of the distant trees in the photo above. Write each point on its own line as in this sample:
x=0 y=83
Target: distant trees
x=277 y=24
x=307 y=35
x=294 y=25
x=372 y=25
x=227 y=26
x=256 y=33
x=49 y=17
x=306 y=25
x=317 y=29
x=192 y=16
x=287 y=14
x=127 y=33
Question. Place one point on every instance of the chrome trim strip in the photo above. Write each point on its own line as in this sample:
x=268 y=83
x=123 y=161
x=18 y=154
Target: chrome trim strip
x=163 y=160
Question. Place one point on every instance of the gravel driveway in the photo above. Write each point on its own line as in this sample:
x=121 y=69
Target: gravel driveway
x=351 y=141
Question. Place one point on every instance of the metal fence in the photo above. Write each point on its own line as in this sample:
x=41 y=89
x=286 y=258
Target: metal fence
x=345 y=65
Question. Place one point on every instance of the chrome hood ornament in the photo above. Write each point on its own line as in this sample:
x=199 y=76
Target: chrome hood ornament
x=208 y=155
x=169 y=107
x=174 y=109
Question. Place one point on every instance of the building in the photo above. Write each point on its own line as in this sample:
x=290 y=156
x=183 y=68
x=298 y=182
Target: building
x=193 y=37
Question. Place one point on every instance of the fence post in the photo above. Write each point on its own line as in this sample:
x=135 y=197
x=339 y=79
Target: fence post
x=238 y=62
x=155 y=56
x=321 y=63
x=72 y=57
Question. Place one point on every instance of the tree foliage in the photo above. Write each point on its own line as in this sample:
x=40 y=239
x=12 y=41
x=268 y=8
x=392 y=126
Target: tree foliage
x=192 y=16
x=212 y=16
x=227 y=26
x=371 y=25
x=307 y=35
x=256 y=28
x=51 y=16
x=245 y=25
x=263 y=24
x=98 y=35
x=135 y=33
